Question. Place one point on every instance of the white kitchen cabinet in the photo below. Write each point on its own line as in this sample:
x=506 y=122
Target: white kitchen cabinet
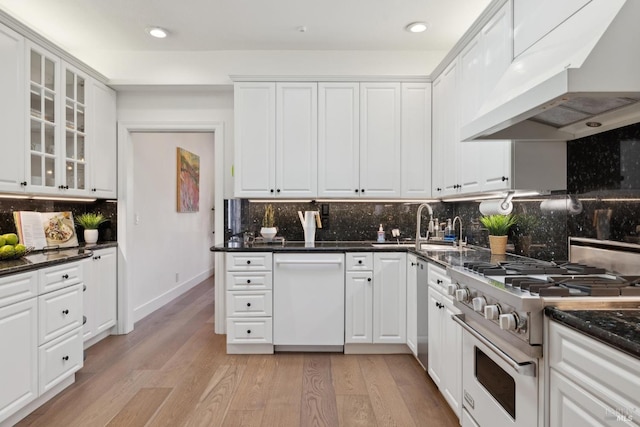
x=60 y=358
x=102 y=141
x=100 y=293
x=59 y=312
x=73 y=135
x=249 y=302
x=12 y=127
x=380 y=139
x=416 y=140
x=276 y=139
x=338 y=139
x=390 y=298
x=19 y=356
x=445 y=340
x=590 y=383
x=533 y=20
x=412 y=303
x=359 y=307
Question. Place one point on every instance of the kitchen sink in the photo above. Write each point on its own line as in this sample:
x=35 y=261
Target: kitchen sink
x=441 y=247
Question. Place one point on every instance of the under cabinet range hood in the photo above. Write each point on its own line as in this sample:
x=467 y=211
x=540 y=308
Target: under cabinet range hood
x=580 y=79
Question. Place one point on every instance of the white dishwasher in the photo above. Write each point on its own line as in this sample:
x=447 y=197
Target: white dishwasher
x=308 y=301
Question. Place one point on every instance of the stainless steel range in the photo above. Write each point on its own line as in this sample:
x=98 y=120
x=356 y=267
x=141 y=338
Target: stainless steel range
x=502 y=317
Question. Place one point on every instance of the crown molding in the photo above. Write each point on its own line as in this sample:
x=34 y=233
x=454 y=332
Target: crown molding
x=350 y=78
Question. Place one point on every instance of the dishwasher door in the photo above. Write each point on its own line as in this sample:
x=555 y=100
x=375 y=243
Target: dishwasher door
x=423 y=317
x=308 y=300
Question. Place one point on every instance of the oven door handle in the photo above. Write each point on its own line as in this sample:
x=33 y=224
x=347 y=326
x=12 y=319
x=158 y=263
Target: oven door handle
x=527 y=369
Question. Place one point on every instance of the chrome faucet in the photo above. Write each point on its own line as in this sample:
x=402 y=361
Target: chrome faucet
x=419 y=238
x=453 y=228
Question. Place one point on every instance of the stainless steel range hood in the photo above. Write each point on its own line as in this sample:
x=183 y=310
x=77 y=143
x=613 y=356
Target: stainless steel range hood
x=580 y=79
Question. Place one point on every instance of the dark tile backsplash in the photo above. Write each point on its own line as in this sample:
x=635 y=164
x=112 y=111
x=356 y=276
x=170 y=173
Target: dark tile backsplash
x=107 y=231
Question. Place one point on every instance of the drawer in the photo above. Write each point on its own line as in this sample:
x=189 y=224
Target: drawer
x=438 y=277
x=60 y=276
x=356 y=261
x=59 y=312
x=249 y=331
x=18 y=287
x=247 y=303
x=249 y=280
x=60 y=358
x=248 y=261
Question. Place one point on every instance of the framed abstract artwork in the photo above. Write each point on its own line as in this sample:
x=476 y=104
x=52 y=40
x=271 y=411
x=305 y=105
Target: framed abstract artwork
x=188 y=199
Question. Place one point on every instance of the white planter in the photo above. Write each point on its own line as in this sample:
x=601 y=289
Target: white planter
x=91 y=236
x=268 y=233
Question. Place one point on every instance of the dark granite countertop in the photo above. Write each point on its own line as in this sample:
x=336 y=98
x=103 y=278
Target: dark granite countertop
x=618 y=328
x=40 y=259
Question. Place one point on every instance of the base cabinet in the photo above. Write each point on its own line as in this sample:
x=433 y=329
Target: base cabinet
x=590 y=383
x=412 y=303
x=100 y=293
x=445 y=341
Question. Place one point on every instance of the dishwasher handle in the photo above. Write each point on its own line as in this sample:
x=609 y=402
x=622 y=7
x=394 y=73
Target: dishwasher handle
x=310 y=262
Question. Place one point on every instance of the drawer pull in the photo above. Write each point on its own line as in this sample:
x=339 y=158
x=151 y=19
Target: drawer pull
x=248 y=281
x=65 y=276
x=248 y=261
x=248 y=304
x=65 y=358
x=248 y=331
x=359 y=261
x=439 y=282
x=368 y=279
x=65 y=311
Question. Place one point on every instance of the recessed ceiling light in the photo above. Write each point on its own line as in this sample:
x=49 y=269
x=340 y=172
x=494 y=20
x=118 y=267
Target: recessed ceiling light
x=417 y=27
x=157 y=32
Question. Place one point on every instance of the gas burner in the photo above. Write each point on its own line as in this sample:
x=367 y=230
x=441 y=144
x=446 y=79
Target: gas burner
x=576 y=268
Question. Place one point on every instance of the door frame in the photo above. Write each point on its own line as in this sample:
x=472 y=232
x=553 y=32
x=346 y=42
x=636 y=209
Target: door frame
x=126 y=213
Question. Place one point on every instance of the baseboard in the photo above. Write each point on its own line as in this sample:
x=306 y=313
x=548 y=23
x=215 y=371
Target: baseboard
x=95 y=339
x=376 y=349
x=160 y=301
x=309 y=348
x=249 y=348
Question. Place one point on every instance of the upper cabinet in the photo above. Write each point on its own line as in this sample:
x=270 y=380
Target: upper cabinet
x=332 y=139
x=275 y=139
x=12 y=128
x=46 y=115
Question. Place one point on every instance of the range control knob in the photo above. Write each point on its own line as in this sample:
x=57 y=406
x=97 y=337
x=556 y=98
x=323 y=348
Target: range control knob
x=479 y=304
x=509 y=322
x=452 y=288
x=492 y=312
x=463 y=295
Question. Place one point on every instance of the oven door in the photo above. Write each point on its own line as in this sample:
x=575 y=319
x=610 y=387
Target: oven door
x=497 y=391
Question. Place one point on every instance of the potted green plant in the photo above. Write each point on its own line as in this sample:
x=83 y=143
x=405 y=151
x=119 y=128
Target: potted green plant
x=90 y=222
x=522 y=231
x=268 y=230
x=498 y=226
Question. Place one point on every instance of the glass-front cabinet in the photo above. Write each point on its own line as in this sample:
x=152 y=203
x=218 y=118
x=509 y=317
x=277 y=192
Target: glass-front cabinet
x=58 y=106
x=44 y=70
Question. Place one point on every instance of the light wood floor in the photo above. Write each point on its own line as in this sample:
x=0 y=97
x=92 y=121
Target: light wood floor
x=172 y=370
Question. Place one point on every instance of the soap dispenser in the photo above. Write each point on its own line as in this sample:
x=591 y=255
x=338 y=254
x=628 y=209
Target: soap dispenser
x=449 y=235
x=380 y=234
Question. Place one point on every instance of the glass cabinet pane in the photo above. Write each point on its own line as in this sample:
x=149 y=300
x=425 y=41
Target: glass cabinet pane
x=36 y=101
x=80 y=177
x=49 y=139
x=49 y=74
x=80 y=118
x=36 y=169
x=80 y=148
x=70 y=145
x=36 y=136
x=49 y=107
x=70 y=175
x=69 y=115
x=50 y=171
x=80 y=90
x=70 y=85
x=36 y=68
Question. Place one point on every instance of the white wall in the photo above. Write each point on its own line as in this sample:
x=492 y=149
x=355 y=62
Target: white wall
x=170 y=249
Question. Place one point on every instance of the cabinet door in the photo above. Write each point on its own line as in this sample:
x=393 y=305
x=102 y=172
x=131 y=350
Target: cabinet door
x=255 y=139
x=390 y=298
x=380 y=132
x=359 y=307
x=19 y=356
x=102 y=141
x=412 y=303
x=43 y=166
x=338 y=139
x=436 y=351
x=74 y=132
x=107 y=280
x=452 y=348
x=438 y=139
x=12 y=111
x=416 y=140
x=449 y=132
x=296 y=139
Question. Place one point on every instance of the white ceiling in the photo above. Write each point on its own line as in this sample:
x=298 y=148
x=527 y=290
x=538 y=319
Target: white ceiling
x=93 y=30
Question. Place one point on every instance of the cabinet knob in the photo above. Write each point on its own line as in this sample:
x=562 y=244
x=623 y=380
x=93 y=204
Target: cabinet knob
x=248 y=281
x=65 y=311
x=362 y=190
x=278 y=190
x=359 y=261
x=65 y=276
x=94 y=189
x=248 y=331
x=504 y=178
x=439 y=282
x=65 y=358
x=248 y=304
x=368 y=279
x=271 y=191
x=248 y=261
x=413 y=264
x=23 y=184
x=357 y=190
x=438 y=189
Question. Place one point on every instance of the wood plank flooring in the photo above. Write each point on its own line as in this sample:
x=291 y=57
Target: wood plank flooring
x=172 y=370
